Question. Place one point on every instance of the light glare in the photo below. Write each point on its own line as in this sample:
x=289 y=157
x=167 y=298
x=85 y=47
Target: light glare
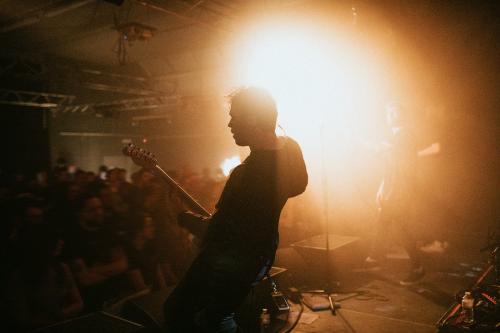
x=328 y=87
x=229 y=164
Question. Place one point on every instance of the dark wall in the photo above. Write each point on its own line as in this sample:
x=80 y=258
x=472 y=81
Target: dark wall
x=24 y=137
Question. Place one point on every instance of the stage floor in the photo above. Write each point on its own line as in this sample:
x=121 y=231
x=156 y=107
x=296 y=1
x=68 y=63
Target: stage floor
x=370 y=302
x=382 y=304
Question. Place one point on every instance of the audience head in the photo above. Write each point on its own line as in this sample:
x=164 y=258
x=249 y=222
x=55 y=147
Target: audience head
x=142 y=225
x=91 y=210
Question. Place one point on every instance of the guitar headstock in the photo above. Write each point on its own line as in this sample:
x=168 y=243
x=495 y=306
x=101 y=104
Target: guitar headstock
x=140 y=156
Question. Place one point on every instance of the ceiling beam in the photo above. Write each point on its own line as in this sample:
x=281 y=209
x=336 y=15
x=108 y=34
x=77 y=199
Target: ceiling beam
x=153 y=5
x=46 y=12
x=100 y=134
x=34 y=99
x=178 y=74
x=63 y=73
x=121 y=105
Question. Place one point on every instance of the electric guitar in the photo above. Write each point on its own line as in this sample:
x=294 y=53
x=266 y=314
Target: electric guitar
x=147 y=160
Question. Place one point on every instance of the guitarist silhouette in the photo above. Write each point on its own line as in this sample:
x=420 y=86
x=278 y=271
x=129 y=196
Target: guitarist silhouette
x=242 y=235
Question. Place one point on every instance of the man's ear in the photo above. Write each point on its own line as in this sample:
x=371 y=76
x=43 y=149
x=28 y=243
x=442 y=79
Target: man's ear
x=251 y=120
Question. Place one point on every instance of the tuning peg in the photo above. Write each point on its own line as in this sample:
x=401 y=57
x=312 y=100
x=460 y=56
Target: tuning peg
x=127 y=149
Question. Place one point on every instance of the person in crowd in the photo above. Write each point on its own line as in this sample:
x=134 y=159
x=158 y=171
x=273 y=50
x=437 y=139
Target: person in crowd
x=174 y=246
x=63 y=208
x=25 y=212
x=96 y=255
x=94 y=183
x=40 y=290
x=143 y=256
x=115 y=208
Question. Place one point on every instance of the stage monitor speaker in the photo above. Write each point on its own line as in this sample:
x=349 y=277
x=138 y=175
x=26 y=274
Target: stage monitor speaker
x=345 y=254
x=148 y=309
x=93 y=323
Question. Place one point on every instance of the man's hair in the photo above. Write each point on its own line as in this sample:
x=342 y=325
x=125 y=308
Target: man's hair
x=257 y=102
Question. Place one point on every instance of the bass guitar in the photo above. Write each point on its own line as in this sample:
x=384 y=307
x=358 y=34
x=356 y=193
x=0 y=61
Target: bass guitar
x=147 y=160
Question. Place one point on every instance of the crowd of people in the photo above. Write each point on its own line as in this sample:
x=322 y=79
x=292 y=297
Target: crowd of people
x=76 y=241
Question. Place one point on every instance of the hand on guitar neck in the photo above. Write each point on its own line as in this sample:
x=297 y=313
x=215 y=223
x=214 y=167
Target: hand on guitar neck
x=195 y=222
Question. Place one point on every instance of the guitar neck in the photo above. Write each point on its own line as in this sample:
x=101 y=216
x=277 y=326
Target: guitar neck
x=192 y=203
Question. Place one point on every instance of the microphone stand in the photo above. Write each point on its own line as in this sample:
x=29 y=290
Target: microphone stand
x=328 y=283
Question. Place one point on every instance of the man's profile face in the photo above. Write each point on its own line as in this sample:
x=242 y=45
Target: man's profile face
x=242 y=125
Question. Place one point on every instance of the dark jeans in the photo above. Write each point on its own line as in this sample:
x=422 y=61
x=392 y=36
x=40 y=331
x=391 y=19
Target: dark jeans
x=214 y=286
x=398 y=216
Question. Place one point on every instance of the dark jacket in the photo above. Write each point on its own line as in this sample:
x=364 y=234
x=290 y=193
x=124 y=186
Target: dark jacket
x=248 y=211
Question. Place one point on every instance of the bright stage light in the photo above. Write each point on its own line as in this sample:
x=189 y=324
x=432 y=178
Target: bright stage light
x=324 y=82
x=229 y=164
x=330 y=87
